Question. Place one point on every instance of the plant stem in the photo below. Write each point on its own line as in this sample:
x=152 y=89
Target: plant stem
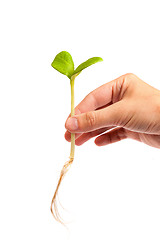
x=68 y=163
x=72 y=114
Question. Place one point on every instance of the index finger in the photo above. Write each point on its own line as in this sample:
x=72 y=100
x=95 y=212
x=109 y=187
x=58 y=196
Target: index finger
x=101 y=96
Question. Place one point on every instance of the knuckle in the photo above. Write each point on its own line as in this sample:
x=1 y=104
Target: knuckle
x=130 y=80
x=121 y=134
x=129 y=77
x=90 y=119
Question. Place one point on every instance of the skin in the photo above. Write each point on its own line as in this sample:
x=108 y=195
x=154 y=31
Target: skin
x=126 y=107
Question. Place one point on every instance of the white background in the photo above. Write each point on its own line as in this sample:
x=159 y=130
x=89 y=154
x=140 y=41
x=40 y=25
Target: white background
x=111 y=192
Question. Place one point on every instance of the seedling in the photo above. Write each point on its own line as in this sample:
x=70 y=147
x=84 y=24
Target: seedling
x=64 y=64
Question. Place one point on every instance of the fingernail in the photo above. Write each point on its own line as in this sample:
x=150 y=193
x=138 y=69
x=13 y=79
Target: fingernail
x=72 y=124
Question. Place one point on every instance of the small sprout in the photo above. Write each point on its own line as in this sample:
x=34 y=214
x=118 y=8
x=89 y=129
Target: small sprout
x=64 y=64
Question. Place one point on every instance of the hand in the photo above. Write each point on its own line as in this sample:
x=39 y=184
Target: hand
x=124 y=108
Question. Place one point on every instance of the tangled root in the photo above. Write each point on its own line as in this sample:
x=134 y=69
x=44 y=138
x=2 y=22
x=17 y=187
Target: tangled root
x=54 y=207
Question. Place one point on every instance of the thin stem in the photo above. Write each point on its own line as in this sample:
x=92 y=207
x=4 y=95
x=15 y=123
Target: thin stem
x=54 y=208
x=72 y=114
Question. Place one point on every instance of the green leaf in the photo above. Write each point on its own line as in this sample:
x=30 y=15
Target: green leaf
x=64 y=64
x=86 y=64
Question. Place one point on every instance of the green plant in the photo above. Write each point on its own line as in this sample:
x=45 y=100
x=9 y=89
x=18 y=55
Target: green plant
x=64 y=64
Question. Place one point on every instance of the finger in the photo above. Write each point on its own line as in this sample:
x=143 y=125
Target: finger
x=68 y=135
x=116 y=135
x=103 y=95
x=87 y=136
x=90 y=121
x=83 y=137
x=77 y=111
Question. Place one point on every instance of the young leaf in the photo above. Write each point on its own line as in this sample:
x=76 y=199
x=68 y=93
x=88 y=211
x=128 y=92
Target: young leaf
x=64 y=64
x=86 y=64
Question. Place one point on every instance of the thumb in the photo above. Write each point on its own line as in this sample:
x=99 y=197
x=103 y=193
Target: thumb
x=93 y=120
